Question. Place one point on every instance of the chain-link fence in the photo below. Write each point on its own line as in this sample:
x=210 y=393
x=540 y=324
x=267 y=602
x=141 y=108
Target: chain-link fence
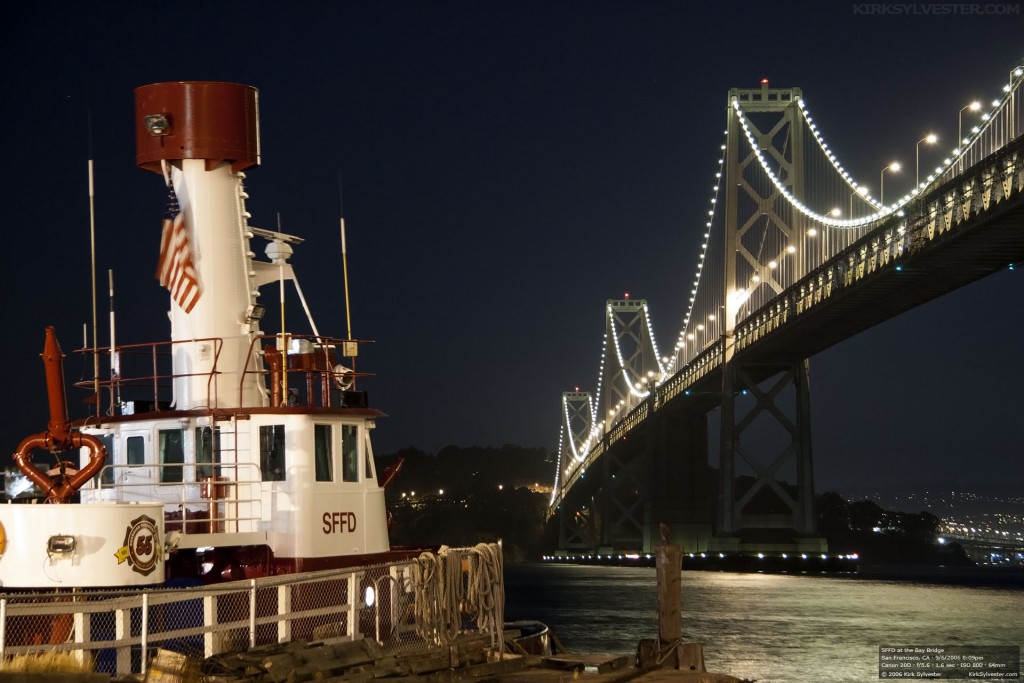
x=403 y=606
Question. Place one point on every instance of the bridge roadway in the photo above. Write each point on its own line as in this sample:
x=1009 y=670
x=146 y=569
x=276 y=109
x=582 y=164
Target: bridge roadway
x=960 y=232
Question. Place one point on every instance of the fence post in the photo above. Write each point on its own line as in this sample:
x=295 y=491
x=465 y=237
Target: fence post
x=284 y=608
x=83 y=633
x=353 y=606
x=122 y=627
x=252 y=613
x=209 y=623
x=144 y=635
x=3 y=628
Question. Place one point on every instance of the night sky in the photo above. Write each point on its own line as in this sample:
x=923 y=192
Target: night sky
x=504 y=167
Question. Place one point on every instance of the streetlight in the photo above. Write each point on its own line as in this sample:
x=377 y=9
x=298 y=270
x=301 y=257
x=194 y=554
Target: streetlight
x=973 y=106
x=895 y=168
x=931 y=139
x=862 y=191
x=1016 y=73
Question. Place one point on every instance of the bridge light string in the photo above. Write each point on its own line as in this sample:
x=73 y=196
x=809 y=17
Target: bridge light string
x=596 y=401
x=831 y=218
x=1016 y=76
x=579 y=451
x=556 y=486
x=630 y=383
x=679 y=357
x=998 y=106
x=967 y=145
x=827 y=220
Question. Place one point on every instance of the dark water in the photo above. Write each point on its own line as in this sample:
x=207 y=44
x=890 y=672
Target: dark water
x=770 y=627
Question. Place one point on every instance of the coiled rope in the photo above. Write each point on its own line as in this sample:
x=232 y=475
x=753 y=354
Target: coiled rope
x=446 y=586
x=486 y=591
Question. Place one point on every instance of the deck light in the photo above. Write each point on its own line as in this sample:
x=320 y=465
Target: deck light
x=60 y=546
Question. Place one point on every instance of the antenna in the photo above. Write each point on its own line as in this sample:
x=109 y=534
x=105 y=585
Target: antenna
x=92 y=246
x=344 y=259
x=284 y=335
x=115 y=361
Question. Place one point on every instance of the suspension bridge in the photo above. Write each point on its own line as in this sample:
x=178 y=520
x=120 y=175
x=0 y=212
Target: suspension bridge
x=797 y=256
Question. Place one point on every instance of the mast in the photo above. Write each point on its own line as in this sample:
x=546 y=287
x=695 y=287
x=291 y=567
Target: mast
x=207 y=133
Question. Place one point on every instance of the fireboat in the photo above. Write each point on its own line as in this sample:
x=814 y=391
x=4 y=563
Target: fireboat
x=221 y=453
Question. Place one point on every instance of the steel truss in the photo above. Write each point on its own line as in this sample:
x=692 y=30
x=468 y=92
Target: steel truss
x=779 y=130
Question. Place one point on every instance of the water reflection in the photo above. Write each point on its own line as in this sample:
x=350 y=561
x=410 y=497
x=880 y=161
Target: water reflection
x=770 y=627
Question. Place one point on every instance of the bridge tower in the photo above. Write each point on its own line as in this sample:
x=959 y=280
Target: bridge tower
x=575 y=531
x=630 y=363
x=631 y=368
x=757 y=511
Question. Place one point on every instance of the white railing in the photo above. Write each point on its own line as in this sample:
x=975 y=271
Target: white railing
x=118 y=630
x=229 y=502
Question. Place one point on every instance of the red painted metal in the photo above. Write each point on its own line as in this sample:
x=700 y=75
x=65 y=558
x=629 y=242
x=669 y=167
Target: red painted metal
x=390 y=472
x=59 y=436
x=207 y=120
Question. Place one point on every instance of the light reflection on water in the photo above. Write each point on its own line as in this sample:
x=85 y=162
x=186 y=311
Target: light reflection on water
x=774 y=628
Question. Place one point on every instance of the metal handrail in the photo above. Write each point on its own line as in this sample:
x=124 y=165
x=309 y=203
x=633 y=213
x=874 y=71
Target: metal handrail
x=155 y=350
x=188 y=494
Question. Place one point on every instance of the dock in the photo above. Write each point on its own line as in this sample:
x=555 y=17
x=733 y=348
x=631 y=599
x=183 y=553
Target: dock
x=467 y=658
x=438 y=619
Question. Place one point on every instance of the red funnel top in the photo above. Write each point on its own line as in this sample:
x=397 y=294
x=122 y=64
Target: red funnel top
x=197 y=120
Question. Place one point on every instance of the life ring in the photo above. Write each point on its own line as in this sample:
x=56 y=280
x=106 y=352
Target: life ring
x=343 y=377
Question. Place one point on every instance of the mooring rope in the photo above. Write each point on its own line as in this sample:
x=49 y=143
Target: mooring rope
x=445 y=586
x=486 y=591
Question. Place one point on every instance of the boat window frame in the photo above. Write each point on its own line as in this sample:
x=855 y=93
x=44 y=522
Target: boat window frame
x=278 y=438
x=350 y=447
x=105 y=479
x=370 y=473
x=174 y=468
x=207 y=468
x=130 y=452
x=327 y=441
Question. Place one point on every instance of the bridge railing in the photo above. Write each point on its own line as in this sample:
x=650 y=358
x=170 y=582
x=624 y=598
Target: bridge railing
x=997 y=179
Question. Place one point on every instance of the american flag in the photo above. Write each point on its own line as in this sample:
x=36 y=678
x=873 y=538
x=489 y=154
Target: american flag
x=175 y=269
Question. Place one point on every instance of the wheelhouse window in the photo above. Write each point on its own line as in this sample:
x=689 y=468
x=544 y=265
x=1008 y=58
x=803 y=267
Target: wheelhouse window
x=349 y=453
x=272 y=462
x=207 y=452
x=172 y=456
x=368 y=459
x=107 y=473
x=135 y=448
x=322 y=452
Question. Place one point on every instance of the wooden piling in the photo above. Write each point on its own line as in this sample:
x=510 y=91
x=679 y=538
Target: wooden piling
x=668 y=563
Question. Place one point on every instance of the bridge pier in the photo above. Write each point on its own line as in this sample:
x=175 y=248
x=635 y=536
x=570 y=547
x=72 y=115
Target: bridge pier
x=681 y=485
x=757 y=511
x=576 y=527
